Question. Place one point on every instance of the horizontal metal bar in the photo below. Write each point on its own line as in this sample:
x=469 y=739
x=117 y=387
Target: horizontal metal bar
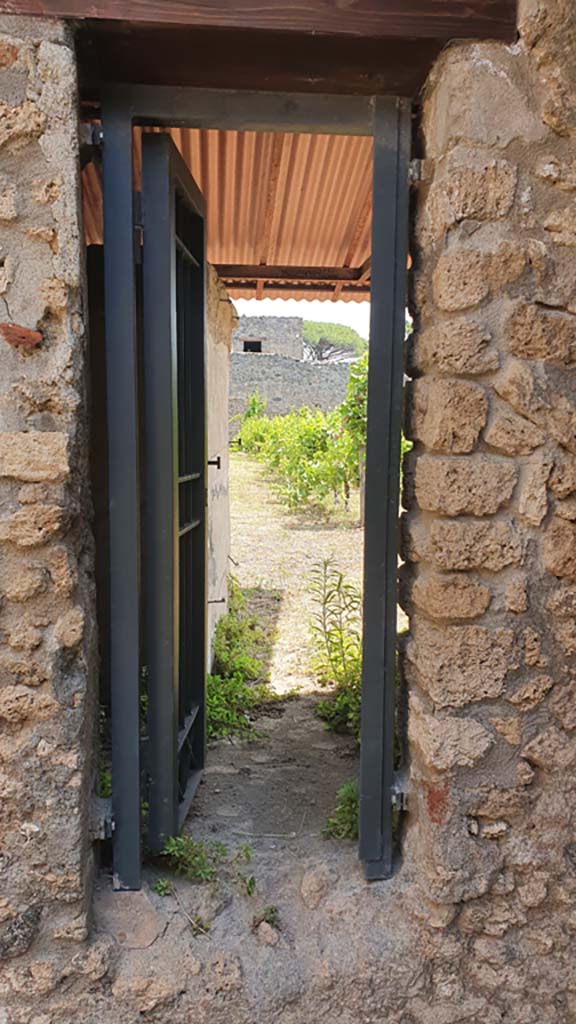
x=243 y=110
x=259 y=272
x=189 y=526
x=189 y=477
x=188 y=723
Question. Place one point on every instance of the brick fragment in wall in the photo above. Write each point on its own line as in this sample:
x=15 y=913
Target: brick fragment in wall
x=512 y=434
x=447 y=416
x=445 y=743
x=458 y=665
x=454 y=346
x=451 y=596
x=21 y=337
x=559 y=548
x=535 y=332
x=468 y=544
x=34 y=456
x=452 y=486
x=465 y=275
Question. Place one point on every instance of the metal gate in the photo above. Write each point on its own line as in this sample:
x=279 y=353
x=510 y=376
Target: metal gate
x=172 y=644
x=174 y=467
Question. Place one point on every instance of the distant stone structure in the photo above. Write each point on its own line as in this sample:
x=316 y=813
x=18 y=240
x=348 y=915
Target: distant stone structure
x=268 y=357
x=270 y=335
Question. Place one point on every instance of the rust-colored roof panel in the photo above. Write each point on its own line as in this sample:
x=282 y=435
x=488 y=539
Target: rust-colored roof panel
x=280 y=201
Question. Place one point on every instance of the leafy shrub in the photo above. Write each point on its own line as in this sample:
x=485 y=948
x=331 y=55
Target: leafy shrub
x=343 y=823
x=336 y=630
x=310 y=453
x=236 y=685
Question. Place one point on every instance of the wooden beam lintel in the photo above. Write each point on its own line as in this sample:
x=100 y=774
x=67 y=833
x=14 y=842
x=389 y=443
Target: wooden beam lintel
x=309 y=275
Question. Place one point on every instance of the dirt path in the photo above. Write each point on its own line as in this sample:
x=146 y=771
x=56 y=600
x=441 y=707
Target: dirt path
x=274 y=552
x=277 y=791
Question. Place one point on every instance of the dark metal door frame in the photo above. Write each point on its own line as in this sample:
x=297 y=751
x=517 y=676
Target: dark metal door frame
x=387 y=119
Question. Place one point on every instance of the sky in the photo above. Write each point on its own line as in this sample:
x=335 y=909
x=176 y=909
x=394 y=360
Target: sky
x=353 y=314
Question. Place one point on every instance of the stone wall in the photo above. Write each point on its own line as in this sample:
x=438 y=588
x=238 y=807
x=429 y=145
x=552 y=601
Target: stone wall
x=279 y=335
x=479 y=921
x=47 y=667
x=220 y=321
x=285 y=384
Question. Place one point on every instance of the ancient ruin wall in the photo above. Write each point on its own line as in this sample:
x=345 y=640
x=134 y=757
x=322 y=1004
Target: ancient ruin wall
x=279 y=335
x=47 y=660
x=284 y=384
x=479 y=923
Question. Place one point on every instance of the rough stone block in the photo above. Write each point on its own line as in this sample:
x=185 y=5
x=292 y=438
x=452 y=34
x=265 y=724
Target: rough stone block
x=535 y=332
x=562 y=601
x=447 y=416
x=446 y=743
x=559 y=548
x=533 y=493
x=455 y=346
x=32 y=525
x=563 y=705
x=452 y=487
x=532 y=693
x=18 y=124
x=516 y=595
x=465 y=276
x=458 y=665
x=512 y=434
x=69 y=628
x=34 y=456
x=470 y=544
x=523 y=390
x=561 y=422
x=551 y=750
x=563 y=475
x=451 y=596
x=565 y=508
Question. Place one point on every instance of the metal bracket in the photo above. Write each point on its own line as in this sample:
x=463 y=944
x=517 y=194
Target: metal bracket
x=215 y=462
x=399 y=794
x=415 y=171
x=101 y=819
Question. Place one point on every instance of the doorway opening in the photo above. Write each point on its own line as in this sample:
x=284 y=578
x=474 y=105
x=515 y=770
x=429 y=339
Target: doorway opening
x=152 y=417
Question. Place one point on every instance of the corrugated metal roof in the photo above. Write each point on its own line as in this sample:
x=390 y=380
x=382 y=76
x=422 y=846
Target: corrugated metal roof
x=298 y=203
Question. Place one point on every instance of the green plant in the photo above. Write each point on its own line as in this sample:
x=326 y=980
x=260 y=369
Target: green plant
x=104 y=782
x=198 y=925
x=336 y=631
x=162 y=887
x=236 y=687
x=194 y=859
x=343 y=824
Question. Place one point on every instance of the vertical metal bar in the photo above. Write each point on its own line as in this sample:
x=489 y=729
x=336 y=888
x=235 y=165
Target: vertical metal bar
x=161 y=487
x=387 y=316
x=124 y=492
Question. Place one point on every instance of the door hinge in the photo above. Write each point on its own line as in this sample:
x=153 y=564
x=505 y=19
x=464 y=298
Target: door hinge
x=416 y=171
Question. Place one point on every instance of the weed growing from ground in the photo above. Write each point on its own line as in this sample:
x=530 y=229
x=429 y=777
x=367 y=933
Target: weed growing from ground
x=343 y=824
x=336 y=630
x=237 y=686
x=162 y=887
x=195 y=860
